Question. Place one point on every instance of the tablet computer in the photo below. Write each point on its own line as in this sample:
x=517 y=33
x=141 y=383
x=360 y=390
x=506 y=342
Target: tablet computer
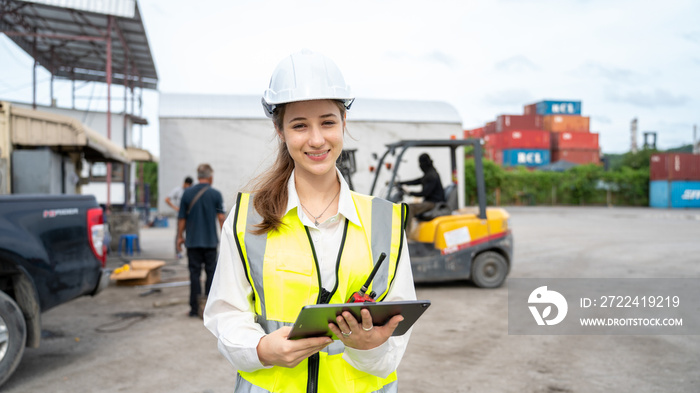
x=313 y=319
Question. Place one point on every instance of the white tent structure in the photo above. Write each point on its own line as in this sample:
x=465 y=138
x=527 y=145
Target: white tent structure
x=232 y=134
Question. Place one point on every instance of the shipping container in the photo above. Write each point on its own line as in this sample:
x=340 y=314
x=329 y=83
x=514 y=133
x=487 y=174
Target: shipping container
x=526 y=157
x=491 y=141
x=488 y=153
x=658 y=194
x=674 y=166
x=685 y=194
x=559 y=123
x=677 y=194
x=518 y=122
x=553 y=108
x=523 y=139
x=574 y=140
x=493 y=155
x=498 y=157
x=476 y=133
x=577 y=156
x=658 y=167
x=530 y=109
x=490 y=128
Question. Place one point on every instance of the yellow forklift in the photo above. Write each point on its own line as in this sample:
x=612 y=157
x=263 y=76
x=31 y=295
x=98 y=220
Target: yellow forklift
x=452 y=243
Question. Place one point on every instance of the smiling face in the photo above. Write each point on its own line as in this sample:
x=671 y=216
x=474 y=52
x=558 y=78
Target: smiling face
x=313 y=133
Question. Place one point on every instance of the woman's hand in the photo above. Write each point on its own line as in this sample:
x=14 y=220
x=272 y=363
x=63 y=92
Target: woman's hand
x=275 y=349
x=363 y=335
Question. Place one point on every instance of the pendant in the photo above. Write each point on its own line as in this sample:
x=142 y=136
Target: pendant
x=316 y=222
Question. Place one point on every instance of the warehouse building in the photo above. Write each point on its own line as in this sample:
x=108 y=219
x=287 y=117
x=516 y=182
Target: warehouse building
x=231 y=133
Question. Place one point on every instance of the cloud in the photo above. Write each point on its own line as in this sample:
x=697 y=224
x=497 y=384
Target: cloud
x=509 y=97
x=657 y=98
x=517 y=63
x=612 y=73
x=692 y=36
x=441 y=57
x=601 y=119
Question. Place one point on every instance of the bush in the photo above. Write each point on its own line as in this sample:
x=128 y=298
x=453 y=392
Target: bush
x=580 y=185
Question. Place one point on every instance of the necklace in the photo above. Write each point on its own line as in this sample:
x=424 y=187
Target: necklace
x=324 y=210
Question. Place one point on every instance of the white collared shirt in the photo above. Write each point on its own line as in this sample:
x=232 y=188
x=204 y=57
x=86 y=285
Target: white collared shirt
x=228 y=314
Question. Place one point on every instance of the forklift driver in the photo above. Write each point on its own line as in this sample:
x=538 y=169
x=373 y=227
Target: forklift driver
x=432 y=191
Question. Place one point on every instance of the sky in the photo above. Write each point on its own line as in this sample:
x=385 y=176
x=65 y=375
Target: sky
x=623 y=59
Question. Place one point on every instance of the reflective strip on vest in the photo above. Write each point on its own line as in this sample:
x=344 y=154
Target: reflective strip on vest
x=282 y=268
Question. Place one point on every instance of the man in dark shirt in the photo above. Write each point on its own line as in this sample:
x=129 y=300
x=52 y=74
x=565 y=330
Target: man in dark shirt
x=432 y=191
x=200 y=207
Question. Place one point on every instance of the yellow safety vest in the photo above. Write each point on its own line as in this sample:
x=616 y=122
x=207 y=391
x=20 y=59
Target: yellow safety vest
x=282 y=268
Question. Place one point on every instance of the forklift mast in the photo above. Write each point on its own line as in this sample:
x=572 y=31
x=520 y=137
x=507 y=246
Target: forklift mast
x=346 y=165
x=452 y=144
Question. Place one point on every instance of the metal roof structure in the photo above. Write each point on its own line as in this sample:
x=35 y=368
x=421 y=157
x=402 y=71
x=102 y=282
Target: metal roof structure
x=176 y=105
x=28 y=127
x=78 y=40
x=97 y=41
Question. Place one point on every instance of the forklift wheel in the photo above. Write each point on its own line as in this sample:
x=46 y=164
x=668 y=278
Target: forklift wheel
x=489 y=270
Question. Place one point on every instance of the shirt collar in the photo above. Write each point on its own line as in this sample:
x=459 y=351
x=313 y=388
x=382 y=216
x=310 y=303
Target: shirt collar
x=346 y=206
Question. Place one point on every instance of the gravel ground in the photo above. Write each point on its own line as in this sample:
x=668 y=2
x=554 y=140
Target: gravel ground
x=127 y=339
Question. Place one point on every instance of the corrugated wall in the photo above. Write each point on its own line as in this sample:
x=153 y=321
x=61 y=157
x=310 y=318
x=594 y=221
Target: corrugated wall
x=240 y=149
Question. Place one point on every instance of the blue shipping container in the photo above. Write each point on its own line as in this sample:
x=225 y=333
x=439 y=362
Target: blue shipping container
x=685 y=194
x=658 y=194
x=559 y=108
x=674 y=194
x=526 y=157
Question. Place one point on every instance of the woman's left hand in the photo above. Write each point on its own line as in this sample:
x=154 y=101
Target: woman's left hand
x=363 y=335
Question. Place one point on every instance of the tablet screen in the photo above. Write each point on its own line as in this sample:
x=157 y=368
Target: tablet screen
x=313 y=319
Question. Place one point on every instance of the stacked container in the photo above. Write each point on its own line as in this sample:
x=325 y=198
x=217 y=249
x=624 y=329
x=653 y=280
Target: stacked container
x=476 y=133
x=547 y=131
x=570 y=132
x=519 y=147
x=675 y=180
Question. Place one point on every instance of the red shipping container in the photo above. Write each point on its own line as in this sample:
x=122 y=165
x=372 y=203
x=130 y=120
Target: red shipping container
x=498 y=157
x=675 y=166
x=530 y=109
x=490 y=128
x=518 y=122
x=523 y=139
x=574 y=140
x=491 y=141
x=488 y=153
x=658 y=167
x=477 y=133
x=567 y=123
x=578 y=156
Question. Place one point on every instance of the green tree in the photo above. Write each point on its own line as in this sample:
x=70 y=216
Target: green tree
x=638 y=160
x=582 y=182
x=150 y=177
x=493 y=178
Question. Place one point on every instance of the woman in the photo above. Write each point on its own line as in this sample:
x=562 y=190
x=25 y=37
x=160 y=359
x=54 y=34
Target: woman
x=302 y=237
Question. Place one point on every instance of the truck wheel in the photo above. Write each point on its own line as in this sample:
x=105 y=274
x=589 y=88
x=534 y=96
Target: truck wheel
x=489 y=270
x=13 y=336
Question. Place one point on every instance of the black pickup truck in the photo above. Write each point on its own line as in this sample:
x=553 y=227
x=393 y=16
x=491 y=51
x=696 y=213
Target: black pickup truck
x=52 y=250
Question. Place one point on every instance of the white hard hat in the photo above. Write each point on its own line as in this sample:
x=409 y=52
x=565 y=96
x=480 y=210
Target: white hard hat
x=304 y=76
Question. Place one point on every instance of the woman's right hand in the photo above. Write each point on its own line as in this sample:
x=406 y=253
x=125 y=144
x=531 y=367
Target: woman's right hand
x=275 y=349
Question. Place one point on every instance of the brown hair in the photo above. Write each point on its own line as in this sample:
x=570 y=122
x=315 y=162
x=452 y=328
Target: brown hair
x=271 y=188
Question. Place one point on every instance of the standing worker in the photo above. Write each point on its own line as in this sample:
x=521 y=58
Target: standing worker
x=173 y=200
x=302 y=237
x=432 y=191
x=200 y=207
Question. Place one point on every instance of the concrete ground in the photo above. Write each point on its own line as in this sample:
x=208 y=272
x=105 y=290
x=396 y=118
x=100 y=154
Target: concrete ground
x=129 y=339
